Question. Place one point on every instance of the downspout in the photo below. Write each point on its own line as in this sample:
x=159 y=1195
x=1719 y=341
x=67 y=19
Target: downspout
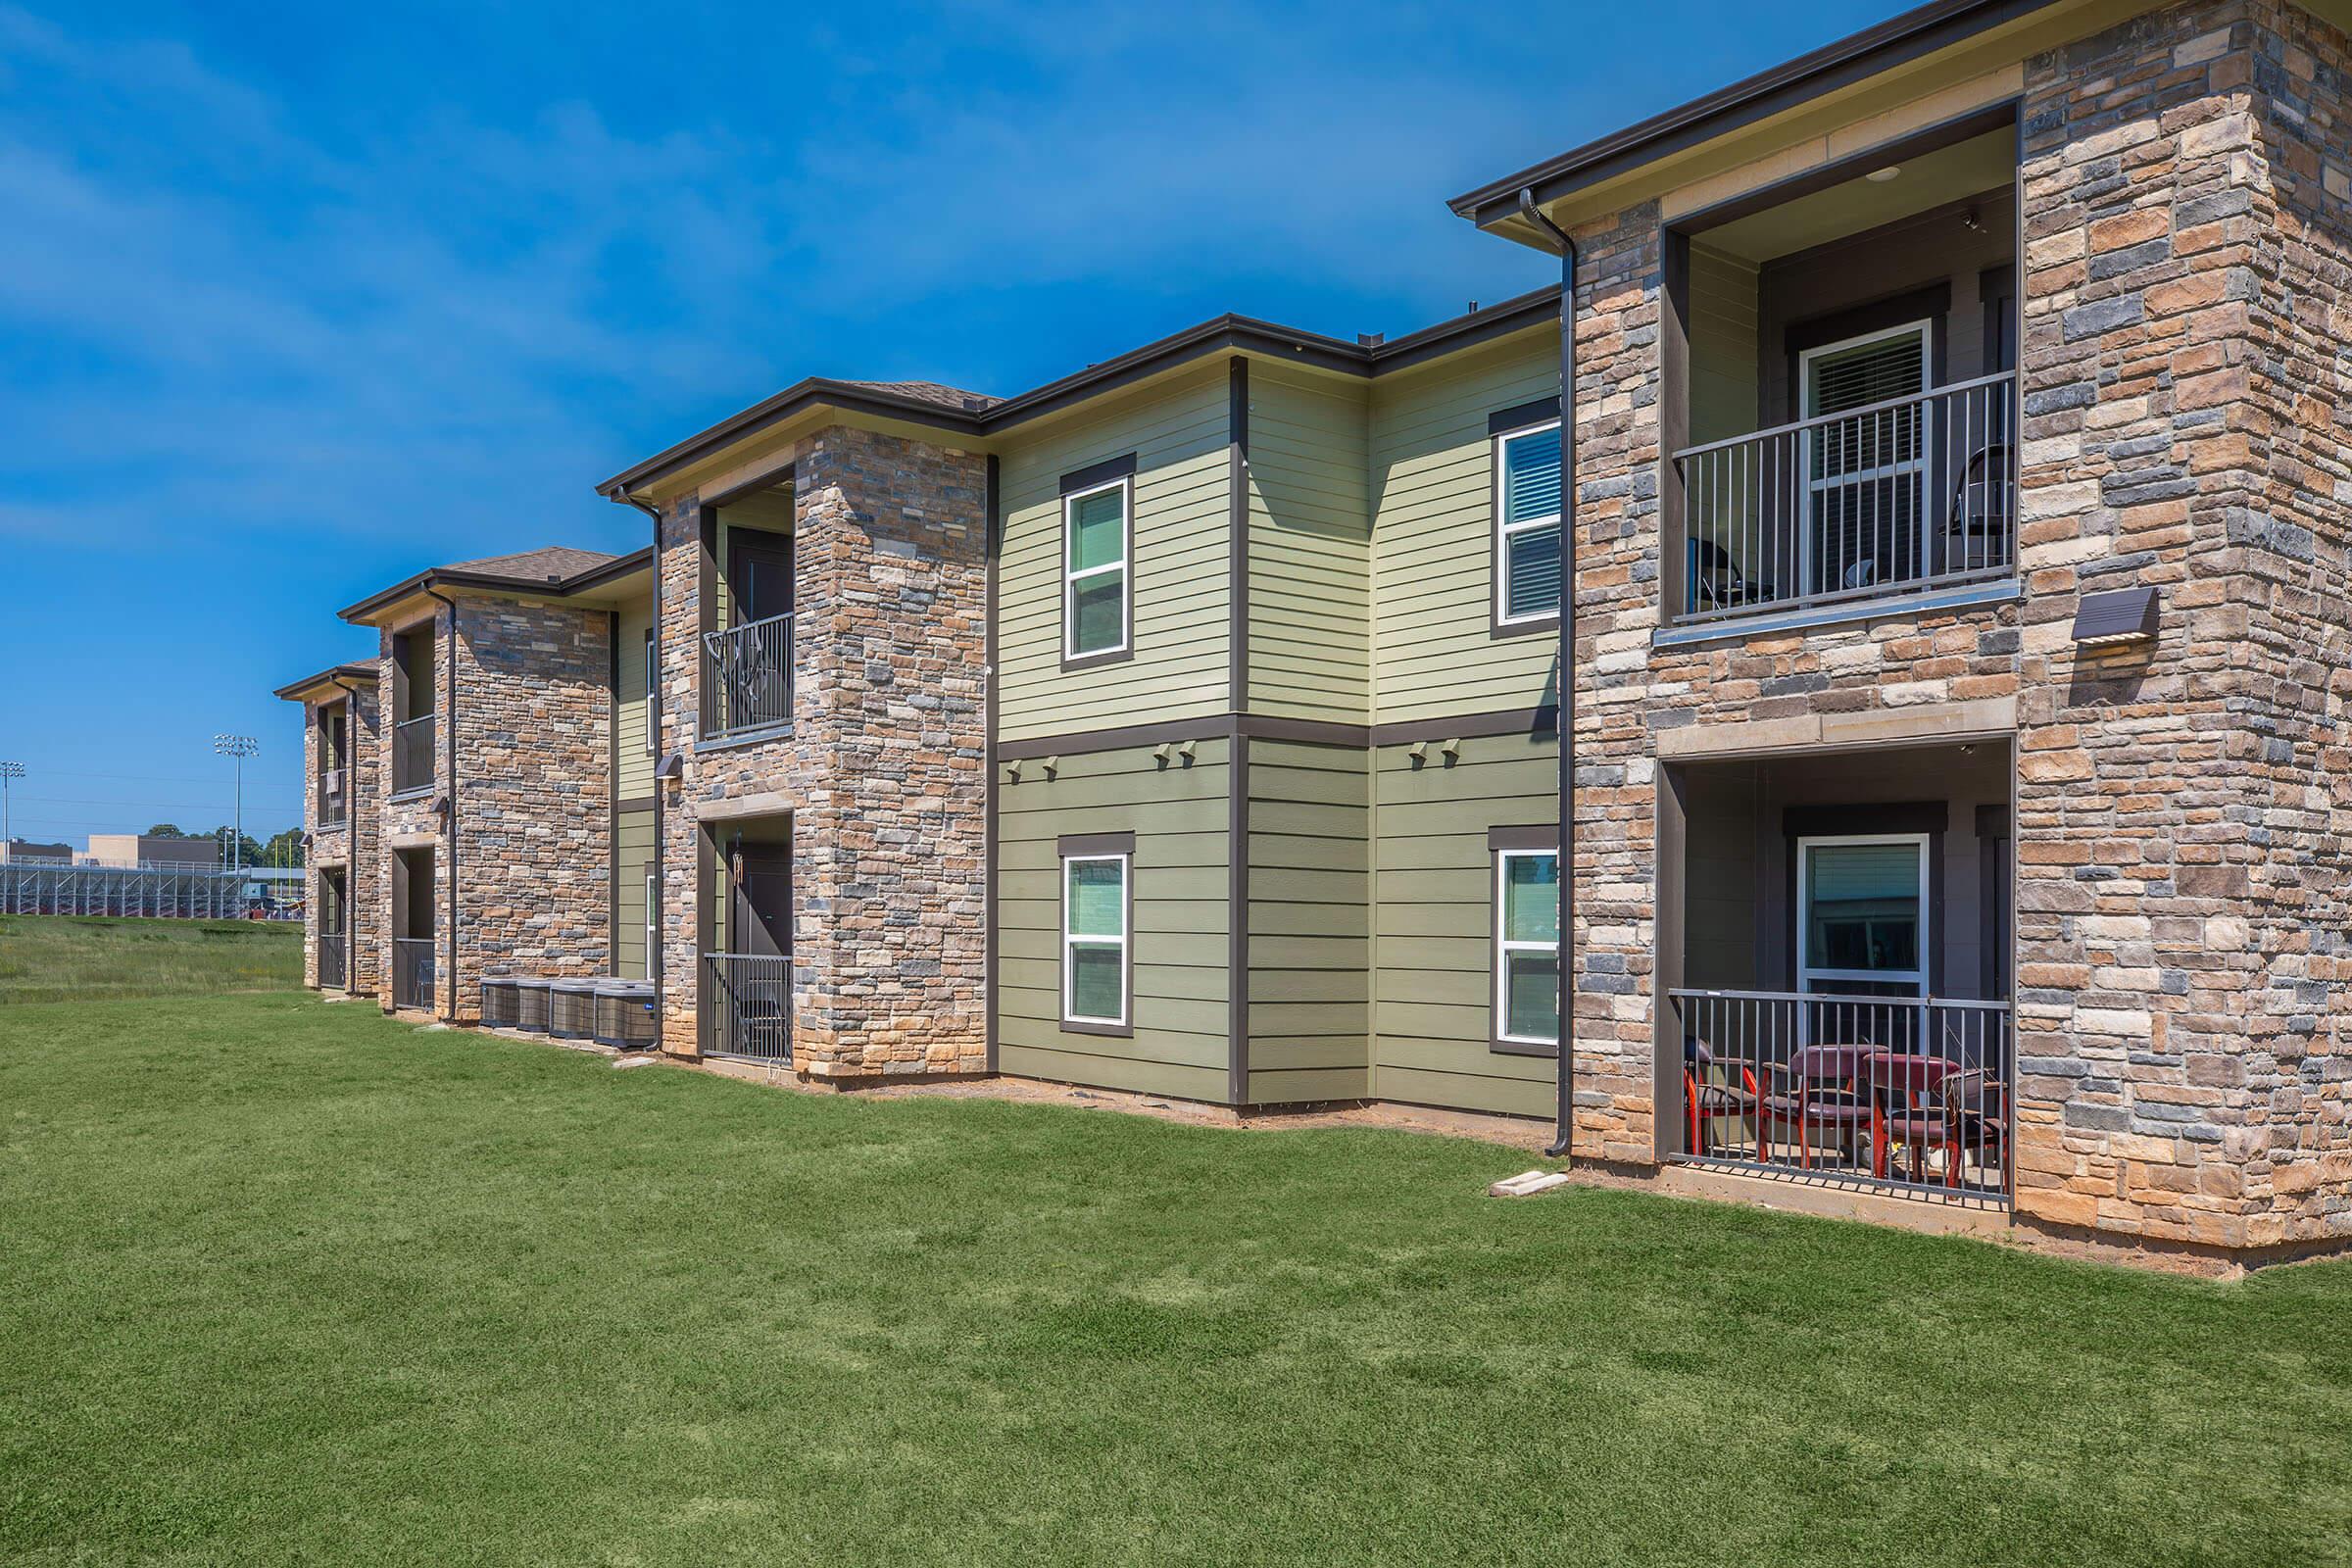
x=655 y=968
x=1564 y=1111
x=449 y=706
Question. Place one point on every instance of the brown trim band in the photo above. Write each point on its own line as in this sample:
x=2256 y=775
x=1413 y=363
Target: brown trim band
x=1540 y=836
x=1529 y=722
x=637 y=802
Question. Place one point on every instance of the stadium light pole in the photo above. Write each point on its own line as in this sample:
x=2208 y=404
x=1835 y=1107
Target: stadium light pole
x=8 y=772
x=239 y=747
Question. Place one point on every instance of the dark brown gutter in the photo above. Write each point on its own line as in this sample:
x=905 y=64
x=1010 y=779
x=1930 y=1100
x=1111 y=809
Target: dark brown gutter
x=1225 y=335
x=1852 y=59
x=448 y=732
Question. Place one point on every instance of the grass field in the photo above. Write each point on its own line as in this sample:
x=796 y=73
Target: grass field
x=65 y=958
x=289 y=1282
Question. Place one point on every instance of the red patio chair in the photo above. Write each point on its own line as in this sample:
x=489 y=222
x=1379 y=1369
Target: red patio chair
x=1819 y=1088
x=1707 y=1093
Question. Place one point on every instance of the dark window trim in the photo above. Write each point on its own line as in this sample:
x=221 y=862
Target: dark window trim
x=1500 y=840
x=1087 y=479
x=1070 y=844
x=1522 y=418
x=1503 y=421
x=1061 y=938
x=1119 y=472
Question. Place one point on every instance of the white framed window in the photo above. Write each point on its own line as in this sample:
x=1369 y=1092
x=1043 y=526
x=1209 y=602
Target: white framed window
x=653 y=920
x=1094 y=938
x=1527 y=947
x=1865 y=475
x=1527 y=525
x=1862 y=915
x=1094 y=531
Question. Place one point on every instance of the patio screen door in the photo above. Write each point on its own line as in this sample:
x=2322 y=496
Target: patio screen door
x=1862 y=915
x=1866 y=472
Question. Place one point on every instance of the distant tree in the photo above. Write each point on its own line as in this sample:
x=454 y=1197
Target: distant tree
x=166 y=830
x=226 y=837
x=284 y=849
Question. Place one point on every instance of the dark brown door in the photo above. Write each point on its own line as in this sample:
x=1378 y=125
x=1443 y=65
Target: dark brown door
x=759 y=575
x=760 y=906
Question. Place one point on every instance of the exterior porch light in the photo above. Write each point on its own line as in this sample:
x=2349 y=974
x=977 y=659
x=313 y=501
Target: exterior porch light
x=2115 y=618
x=1879 y=176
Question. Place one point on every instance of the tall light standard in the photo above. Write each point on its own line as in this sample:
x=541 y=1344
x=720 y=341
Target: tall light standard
x=239 y=747
x=8 y=772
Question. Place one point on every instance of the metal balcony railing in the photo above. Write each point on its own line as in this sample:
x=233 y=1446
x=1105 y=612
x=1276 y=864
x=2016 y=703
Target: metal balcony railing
x=1908 y=1094
x=334 y=799
x=334 y=960
x=747 y=678
x=413 y=753
x=1896 y=497
x=745 y=1007
x=412 y=972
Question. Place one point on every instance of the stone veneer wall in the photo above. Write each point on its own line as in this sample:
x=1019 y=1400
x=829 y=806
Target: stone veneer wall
x=352 y=846
x=534 y=738
x=2177 y=866
x=2182 y=963
x=883 y=772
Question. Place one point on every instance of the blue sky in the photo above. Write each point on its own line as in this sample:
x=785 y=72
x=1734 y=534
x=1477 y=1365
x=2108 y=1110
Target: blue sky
x=292 y=304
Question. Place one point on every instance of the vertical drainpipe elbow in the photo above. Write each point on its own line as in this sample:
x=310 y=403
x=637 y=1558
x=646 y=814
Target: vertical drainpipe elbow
x=1565 y=1111
x=449 y=747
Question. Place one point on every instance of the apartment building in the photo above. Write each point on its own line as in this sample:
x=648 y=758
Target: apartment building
x=1952 y=500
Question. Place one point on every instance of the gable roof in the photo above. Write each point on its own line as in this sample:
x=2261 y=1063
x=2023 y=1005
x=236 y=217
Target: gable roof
x=983 y=417
x=553 y=569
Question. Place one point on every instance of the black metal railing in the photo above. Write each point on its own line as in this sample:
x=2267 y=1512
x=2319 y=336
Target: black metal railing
x=334 y=797
x=412 y=972
x=747 y=678
x=745 y=1007
x=413 y=753
x=1897 y=497
x=1910 y=1093
x=334 y=960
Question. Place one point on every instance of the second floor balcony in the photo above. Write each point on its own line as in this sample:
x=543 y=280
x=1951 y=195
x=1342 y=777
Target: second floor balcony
x=746 y=679
x=413 y=755
x=1898 y=496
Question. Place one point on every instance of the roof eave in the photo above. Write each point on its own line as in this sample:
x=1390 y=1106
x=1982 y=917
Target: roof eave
x=325 y=680
x=1853 y=58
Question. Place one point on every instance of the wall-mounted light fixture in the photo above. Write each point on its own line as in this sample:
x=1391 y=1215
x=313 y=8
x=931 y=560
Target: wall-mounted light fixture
x=2116 y=618
x=671 y=766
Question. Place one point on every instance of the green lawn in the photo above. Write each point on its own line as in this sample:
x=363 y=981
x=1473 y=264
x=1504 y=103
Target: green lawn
x=287 y=1281
x=64 y=958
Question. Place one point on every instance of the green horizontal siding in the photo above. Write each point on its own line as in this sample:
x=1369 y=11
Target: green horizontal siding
x=632 y=858
x=634 y=780
x=1181 y=817
x=1432 y=914
x=1433 y=539
x=1310 y=546
x=1180 y=563
x=1309 y=924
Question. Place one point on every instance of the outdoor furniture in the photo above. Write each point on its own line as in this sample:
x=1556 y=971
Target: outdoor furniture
x=1976 y=532
x=1975 y=1119
x=1909 y=1090
x=1716 y=582
x=1709 y=1091
x=1820 y=1090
